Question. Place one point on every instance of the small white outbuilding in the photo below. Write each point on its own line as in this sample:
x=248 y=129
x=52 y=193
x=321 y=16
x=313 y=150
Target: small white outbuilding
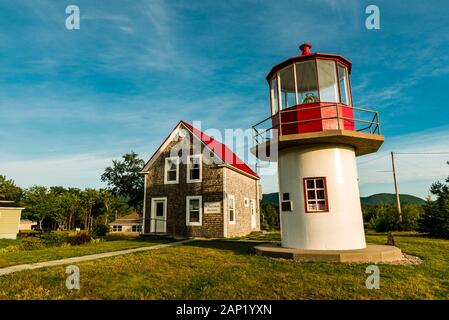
x=10 y=214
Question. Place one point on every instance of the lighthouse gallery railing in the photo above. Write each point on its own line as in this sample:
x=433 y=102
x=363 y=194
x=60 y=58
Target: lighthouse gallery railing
x=364 y=120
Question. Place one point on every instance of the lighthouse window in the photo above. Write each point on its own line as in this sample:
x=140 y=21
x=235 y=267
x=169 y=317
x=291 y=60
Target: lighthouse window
x=274 y=96
x=315 y=194
x=307 y=82
x=287 y=87
x=343 y=82
x=328 y=81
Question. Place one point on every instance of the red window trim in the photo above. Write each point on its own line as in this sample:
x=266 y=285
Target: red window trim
x=325 y=195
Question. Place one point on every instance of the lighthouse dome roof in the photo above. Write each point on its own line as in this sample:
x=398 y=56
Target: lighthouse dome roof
x=307 y=55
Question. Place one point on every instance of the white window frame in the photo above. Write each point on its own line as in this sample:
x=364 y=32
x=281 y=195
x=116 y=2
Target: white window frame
x=246 y=202
x=166 y=171
x=188 y=223
x=189 y=168
x=229 y=209
x=115 y=228
x=139 y=228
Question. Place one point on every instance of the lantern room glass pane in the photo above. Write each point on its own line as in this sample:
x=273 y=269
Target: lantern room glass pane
x=343 y=82
x=328 y=81
x=307 y=80
x=274 y=95
x=287 y=87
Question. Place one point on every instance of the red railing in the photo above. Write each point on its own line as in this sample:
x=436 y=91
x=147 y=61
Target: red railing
x=323 y=117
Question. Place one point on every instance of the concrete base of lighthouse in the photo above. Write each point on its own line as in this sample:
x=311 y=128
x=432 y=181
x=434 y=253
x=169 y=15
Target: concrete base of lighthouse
x=371 y=254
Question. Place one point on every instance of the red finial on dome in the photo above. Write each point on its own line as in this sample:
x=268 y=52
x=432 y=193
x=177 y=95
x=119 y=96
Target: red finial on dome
x=305 y=48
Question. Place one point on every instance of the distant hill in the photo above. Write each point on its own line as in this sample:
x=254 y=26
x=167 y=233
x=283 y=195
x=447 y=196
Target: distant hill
x=379 y=198
x=390 y=198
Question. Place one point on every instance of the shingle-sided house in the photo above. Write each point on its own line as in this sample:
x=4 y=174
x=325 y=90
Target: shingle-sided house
x=195 y=186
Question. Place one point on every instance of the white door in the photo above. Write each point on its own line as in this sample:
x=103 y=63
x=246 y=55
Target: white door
x=253 y=214
x=158 y=222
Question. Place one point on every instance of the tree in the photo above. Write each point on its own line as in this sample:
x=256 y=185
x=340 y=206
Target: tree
x=69 y=205
x=40 y=204
x=111 y=206
x=435 y=219
x=89 y=200
x=9 y=190
x=124 y=179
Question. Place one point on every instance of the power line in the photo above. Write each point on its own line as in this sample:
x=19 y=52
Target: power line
x=444 y=152
x=370 y=160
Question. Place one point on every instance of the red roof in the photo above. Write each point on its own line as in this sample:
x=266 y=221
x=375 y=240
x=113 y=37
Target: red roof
x=222 y=151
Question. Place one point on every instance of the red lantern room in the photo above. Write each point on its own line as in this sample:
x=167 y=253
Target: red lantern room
x=302 y=86
x=311 y=93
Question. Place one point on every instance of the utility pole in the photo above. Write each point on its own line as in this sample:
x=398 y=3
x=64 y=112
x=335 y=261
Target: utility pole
x=398 y=200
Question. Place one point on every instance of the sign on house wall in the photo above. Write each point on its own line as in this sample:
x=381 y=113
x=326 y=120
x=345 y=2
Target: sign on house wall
x=212 y=207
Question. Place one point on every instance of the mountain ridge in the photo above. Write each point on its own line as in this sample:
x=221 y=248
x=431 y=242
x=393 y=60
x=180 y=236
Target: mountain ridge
x=374 y=199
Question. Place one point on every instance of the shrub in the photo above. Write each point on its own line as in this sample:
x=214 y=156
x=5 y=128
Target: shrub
x=31 y=243
x=383 y=218
x=80 y=238
x=53 y=238
x=13 y=248
x=411 y=215
x=100 y=229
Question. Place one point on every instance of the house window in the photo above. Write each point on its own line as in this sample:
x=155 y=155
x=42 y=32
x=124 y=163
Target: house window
x=116 y=228
x=315 y=194
x=171 y=170
x=246 y=202
x=194 y=168
x=193 y=211
x=231 y=209
x=160 y=209
x=136 y=228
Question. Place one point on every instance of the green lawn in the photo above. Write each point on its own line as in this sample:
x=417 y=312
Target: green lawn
x=113 y=243
x=227 y=269
x=8 y=242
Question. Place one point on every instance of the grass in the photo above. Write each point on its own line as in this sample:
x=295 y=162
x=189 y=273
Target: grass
x=8 y=242
x=112 y=243
x=226 y=269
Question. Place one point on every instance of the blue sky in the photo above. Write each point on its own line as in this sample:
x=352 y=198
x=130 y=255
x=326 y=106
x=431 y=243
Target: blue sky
x=70 y=101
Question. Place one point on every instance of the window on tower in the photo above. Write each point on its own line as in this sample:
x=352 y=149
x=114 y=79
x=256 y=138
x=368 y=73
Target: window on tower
x=310 y=81
x=315 y=193
x=343 y=82
x=287 y=80
x=274 y=96
x=307 y=82
x=328 y=81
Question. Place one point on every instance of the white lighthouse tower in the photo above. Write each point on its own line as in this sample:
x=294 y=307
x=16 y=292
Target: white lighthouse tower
x=318 y=133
